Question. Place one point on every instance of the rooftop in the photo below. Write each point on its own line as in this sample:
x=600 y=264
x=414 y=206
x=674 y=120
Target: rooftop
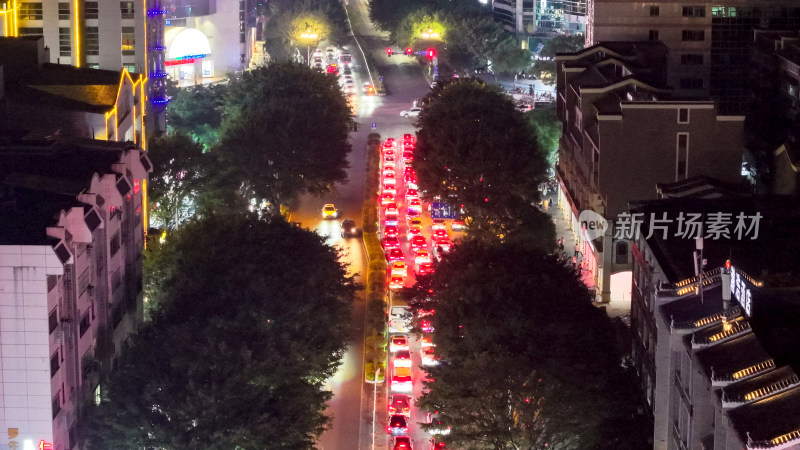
x=783 y=411
x=726 y=358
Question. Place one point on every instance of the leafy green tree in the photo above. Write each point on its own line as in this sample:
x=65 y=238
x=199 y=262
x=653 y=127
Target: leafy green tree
x=238 y=351
x=409 y=32
x=548 y=131
x=544 y=69
x=475 y=149
x=555 y=377
x=285 y=131
x=473 y=41
x=509 y=57
x=288 y=19
x=195 y=111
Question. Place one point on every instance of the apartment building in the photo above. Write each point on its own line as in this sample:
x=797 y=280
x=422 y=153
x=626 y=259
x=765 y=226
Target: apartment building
x=71 y=238
x=529 y=18
x=623 y=132
x=708 y=41
x=109 y=35
x=714 y=324
x=66 y=100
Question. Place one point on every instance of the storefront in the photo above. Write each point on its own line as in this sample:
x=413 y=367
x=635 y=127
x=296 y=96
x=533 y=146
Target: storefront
x=189 y=57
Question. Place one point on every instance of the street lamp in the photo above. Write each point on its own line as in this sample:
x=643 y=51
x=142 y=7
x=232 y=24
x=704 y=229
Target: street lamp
x=374 y=403
x=308 y=34
x=429 y=34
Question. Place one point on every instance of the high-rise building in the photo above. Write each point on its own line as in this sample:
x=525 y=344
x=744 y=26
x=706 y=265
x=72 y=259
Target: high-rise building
x=109 y=35
x=531 y=20
x=71 y=238
x=708 y=41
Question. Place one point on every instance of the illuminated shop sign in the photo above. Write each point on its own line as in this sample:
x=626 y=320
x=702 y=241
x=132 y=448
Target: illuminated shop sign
x=741 y=290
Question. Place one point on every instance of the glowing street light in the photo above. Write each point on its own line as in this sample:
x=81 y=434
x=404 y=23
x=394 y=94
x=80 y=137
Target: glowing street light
x=429 y=34
x=309 y=35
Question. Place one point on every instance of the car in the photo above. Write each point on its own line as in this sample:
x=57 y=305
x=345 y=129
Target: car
x=390 y=242
x=390 y=221
x=397 y=425
x=398 y=269
x=438 y=224
x=414 y=203
x=333 y=69
x=421 y=312
x=400 y=404
x=349 y=89
x=387 y=198
x=390 y=142
x=411 y=194
x=424 y=269
x=401 y=380
x=426 y=326
x=347 y=70
x=408 y=156
x=408 y=170
x=413 y=112
x=402 y=443
x=437 y=445
x=390 y=189
x=398 y=342
x=421 y=256
x=390 y=231
x=396 y=254
x=329 y=211
x=411 y=215
x=345 y=59
x=408 y=146
x=396 y=282
x=441 y=247
x=413 y=220
x=440 y=234
x=426 y=341
x=402 y=358
x=457 y=225
x=349 y=228
x=390 y=209
x=408 y=137
x=437 y=427
x=418 y=242
x=389 y=180
x=388 y=160
x=428 y=357
x=347 y=79
x=399 y=320
x=368 y=88
x=414 y=230
x=388 y=169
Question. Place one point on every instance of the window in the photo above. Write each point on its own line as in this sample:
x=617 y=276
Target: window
x=126 y=9
x=693 y=35
x=131 y=68
x=63 y=10
x=92 y=42
x=622 y=253
x=691 y=60
x=683 y=115
x=116 y=281
x=86 y=321
x=682 y=157
x=93 y=65
x=64 y=41
x=53 y=319
x=55 y=363
x=91 y=10
x=52 y=281
x=653 y=35
x=26 y=31
x=128 y=41
x=56 y=404
x=694 y=11
x=114 y=245
x=30 y=11
x=691 y=83
x=655 y=11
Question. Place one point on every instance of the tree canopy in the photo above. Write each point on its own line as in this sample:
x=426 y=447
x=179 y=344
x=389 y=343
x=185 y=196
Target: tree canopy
x=475 y=149
x=288 y=19
x=548 y=131
x=240 y=344
x=196 y=111
x=285 y=131
x=527 y=361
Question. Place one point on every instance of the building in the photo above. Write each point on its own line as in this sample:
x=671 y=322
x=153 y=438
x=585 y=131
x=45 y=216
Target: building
x=61 y=99
x=206 y=39
x=714 y=344
x=708 y=41
x=98 y=35
x=623 y=132
x=533 y=20
x=71 y=238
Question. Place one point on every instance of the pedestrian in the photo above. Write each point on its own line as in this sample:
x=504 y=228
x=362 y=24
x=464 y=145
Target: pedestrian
x=561 y=244
x=575 y=263
x=577 y=250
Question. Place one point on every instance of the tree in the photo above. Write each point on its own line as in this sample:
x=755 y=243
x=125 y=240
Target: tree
x=473 y=41
x=178 y=169
x=238 y=350
x=289 y=19
x=544 y=67
x=555 y=375
x=548 y=131
x=195 y=111
x=285 y=131
x=509 y=57
x=475 y=149
x=412 y=28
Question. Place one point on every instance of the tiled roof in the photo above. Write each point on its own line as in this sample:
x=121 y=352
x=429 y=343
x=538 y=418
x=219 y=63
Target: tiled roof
x=759 y=387
x=769 y=422
x=729 y=357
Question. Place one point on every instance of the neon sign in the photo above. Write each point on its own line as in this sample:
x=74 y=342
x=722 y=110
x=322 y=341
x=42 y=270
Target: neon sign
x=741 y=291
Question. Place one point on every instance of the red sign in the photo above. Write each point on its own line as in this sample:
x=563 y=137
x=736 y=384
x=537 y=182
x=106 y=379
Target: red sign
x=178 y=62
x=45 y=445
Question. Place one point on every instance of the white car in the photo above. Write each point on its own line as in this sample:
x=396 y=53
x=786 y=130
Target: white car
x=399 y=319
x=428 y=358
x=413 y=112
x=398 y=343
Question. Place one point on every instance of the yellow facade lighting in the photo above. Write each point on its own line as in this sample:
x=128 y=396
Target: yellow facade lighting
x=755 y=368
x=77 y=32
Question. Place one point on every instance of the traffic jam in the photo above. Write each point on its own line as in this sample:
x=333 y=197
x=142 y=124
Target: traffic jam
x=411 y=242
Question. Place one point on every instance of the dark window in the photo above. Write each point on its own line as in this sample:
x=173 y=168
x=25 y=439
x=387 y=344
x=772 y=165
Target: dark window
x=64 y=41
x=55 y=363
x=622 y=253
x=653 y=35
x=27 y=31
x=116 y=281
x=114 y=245
x=655 y=10
x=116 y=314
x=63 y=10
x=30 y=11
x=128 y=41
x=691 y=60
x=683 y=156
x=63 y=254
x=694 y=11
x=241 y=38
x=91 y=10
x=52 y=280
x=86 y=321
x=691 y=83
x=53 y=319
x=126 y=9
x=56 y=404
x=683 y=115
x=693 y=35
x=92 y=41
x=92 y=220
x=123 y=186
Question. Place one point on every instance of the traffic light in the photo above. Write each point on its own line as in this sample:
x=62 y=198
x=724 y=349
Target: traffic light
x=409 y=51
x=389 y=52
x=431 y=53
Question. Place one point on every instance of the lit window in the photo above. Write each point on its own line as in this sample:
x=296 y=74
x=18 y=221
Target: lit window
x=128 y=41
x=30 y=11
x=27 y=31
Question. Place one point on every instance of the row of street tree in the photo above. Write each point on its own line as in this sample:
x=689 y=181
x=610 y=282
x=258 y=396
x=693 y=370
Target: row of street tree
x=527 y=361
